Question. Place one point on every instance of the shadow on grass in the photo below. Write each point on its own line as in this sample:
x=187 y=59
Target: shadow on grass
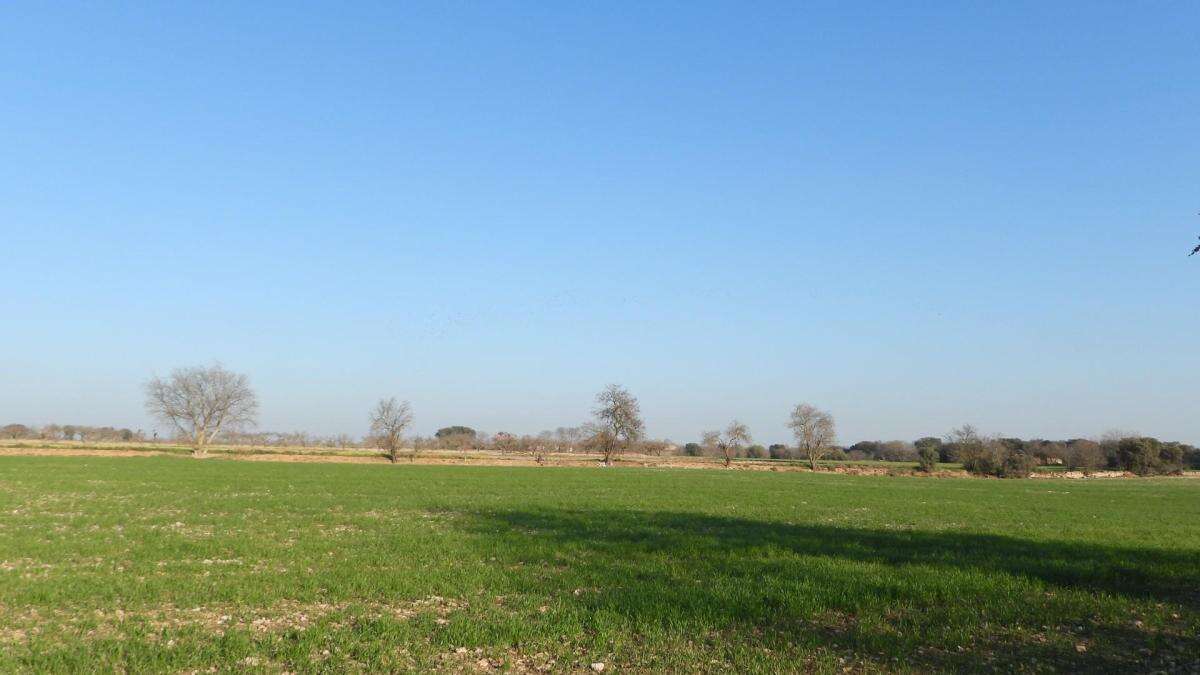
x=943 y=600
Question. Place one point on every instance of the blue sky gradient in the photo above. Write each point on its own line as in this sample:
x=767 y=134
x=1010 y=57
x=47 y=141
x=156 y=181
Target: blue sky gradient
x=913 y=217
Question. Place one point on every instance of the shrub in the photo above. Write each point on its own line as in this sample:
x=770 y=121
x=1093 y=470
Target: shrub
x=1084 y=455
x=927 y=458
x=505 y=442
x=949 y=453
x=1110 y=443
x=756 y=452
x=693 y=450
x=456 y=430
x=778 y=451
x=981 y=459
x=1191 y=457
x=835 y=453
x=1140 y=455
x=1147 y=456
x=996 y=458
x=15 y=431
x=976 y=455
x=897 y=451
x=866 y=450
x=1016 y=464
x=931 y=443
x=1047 y=452
x=654 y=448
x=1171 y=457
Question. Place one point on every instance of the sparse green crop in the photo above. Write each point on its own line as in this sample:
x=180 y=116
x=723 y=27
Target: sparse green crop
x=174 y=564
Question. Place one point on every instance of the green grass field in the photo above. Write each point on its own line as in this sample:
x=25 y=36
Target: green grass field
x=174 y=564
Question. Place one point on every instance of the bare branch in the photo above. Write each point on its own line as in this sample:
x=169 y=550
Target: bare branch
x=200 y=402
x=618 y=421
x=389 y=419
x=814 y=431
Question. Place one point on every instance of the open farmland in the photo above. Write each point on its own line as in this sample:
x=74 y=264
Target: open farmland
x=174 y=564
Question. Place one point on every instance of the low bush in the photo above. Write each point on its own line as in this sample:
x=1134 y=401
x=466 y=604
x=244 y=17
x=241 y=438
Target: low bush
x=1173 y=457
x=995 y=458
x=1016 y=464
x=950 y=453
x=1087 y=456
x=1147 y=456
x=927 y=458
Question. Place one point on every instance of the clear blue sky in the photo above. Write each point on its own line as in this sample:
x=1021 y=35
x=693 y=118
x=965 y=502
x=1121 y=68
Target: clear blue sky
x=912 y=217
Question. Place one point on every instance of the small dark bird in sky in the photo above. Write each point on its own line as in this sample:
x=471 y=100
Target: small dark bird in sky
x=1194 y=251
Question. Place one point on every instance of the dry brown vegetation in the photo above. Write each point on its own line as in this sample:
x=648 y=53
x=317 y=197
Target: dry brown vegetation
x=499 y=458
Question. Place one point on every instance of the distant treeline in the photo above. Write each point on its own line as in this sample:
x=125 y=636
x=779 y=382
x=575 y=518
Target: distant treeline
x=72 y=432
x=1115 y=450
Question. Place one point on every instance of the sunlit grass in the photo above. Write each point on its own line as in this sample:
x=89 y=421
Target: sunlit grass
x=164 y=563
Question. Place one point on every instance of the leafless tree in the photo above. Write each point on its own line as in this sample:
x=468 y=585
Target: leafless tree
x=389 y=419
x=966 y=444
x=618 y=421
x=967 y=433
x=729 y=442
x=570 y=437
x=656 y=448
x=1110 y=439
x=201 y=402
x=814 y=431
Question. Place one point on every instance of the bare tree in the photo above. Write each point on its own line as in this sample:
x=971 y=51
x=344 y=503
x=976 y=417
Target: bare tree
x=965 y=444
x=570 y=436
x=618 y=421
x=729 y=442
x=814 y=431
x=389 y=419
x=201 y=402
x=656 y=448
